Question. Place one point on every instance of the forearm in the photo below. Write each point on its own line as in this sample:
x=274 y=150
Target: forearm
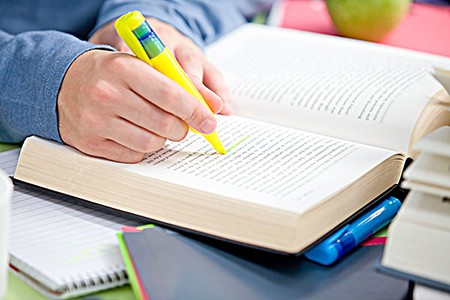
x=201 y=20
x=33 y=66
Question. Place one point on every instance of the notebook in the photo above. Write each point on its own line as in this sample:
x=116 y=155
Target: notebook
x=169 y=265
x=6 y=189
x=62 y=249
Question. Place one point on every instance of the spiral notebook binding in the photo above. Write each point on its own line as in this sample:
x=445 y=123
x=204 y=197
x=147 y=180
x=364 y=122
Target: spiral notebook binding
x=103 y=280
x=39 y=266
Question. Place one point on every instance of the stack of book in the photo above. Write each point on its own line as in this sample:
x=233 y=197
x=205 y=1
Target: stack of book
x=419 y=238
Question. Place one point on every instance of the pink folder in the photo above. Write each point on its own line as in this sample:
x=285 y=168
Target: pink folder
x=425 y=28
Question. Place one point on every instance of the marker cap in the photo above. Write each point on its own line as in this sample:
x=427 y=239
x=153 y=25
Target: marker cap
x=327 y=252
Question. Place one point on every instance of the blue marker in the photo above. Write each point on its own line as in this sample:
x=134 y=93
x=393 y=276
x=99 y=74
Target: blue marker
x=337 y=245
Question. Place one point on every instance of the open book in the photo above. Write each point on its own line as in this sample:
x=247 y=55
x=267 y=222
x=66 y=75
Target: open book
x=322 y=127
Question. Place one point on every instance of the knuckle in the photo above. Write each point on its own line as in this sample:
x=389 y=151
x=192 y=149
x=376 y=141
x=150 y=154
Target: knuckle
x=93 y=146
x=168 y=89
x=194 y=114
x=103 y=93
x=117 y=62
x=129 y=156
x=165 y=124
x=152 y=143
x=91 y=120
x=147 y=144
x=180 y=134
x=171 y=98
x=188 y=56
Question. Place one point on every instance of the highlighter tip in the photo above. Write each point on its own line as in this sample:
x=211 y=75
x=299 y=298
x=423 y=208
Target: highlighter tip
x=219 y=148
x=215 y=142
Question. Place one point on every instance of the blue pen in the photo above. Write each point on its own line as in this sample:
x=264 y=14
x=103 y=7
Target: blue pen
x=337 y=245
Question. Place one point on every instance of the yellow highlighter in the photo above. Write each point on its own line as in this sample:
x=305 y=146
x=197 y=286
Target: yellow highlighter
x=146 y=45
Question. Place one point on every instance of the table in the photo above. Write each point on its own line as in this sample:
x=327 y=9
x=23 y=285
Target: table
x=353 y=278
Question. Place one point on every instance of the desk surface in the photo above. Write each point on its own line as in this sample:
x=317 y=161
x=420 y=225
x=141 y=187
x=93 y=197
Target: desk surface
x=353 y=278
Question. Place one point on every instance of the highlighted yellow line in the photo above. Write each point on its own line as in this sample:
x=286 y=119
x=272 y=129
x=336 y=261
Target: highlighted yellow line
x=237 y=143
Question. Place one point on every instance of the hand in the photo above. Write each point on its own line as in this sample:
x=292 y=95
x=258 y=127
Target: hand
x=187 y=53
x=115 y=106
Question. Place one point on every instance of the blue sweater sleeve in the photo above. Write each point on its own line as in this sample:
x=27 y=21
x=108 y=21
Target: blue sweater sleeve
x=33 y=65
x=201 y=20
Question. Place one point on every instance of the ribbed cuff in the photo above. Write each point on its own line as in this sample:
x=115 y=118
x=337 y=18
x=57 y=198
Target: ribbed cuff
x=59 y=63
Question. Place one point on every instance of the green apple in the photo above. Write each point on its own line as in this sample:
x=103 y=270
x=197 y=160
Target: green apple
x=368 y=20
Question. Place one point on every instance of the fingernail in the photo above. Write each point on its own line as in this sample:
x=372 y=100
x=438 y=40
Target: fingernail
x=222 y=104
x=207 y=126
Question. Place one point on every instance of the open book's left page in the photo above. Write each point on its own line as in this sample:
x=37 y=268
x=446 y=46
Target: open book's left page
x=270 y=165
x=265 y=164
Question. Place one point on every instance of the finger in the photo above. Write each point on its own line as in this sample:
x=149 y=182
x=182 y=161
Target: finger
x=133 y=137
x=214 y=102
x=191 y=60
x=122 y=46
x=145 y=114
x=227 y=109
x=169 y=96
x=214 y=80
x=111 y=150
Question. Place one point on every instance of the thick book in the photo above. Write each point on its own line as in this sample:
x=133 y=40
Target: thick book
x=430 y=172
x=157 y=261
x=322 y=126
x=418 y=244
x=419 y=237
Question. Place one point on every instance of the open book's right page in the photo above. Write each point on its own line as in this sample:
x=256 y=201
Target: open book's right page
x=353 y=90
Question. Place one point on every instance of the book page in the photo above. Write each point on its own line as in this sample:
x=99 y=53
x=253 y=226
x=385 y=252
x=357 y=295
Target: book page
x=424 y=292
x=265 y=164
x=343 y=88
x=430 y=169
x=437 y=142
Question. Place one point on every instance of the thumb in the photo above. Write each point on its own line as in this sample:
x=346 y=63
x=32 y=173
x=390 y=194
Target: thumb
x=214 y=102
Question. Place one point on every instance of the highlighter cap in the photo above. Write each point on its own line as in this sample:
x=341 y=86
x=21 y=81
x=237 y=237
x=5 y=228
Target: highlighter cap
x=132 y=20
x=149 y=40
x=328 y=251
x=137 y=33
x=324 y=254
